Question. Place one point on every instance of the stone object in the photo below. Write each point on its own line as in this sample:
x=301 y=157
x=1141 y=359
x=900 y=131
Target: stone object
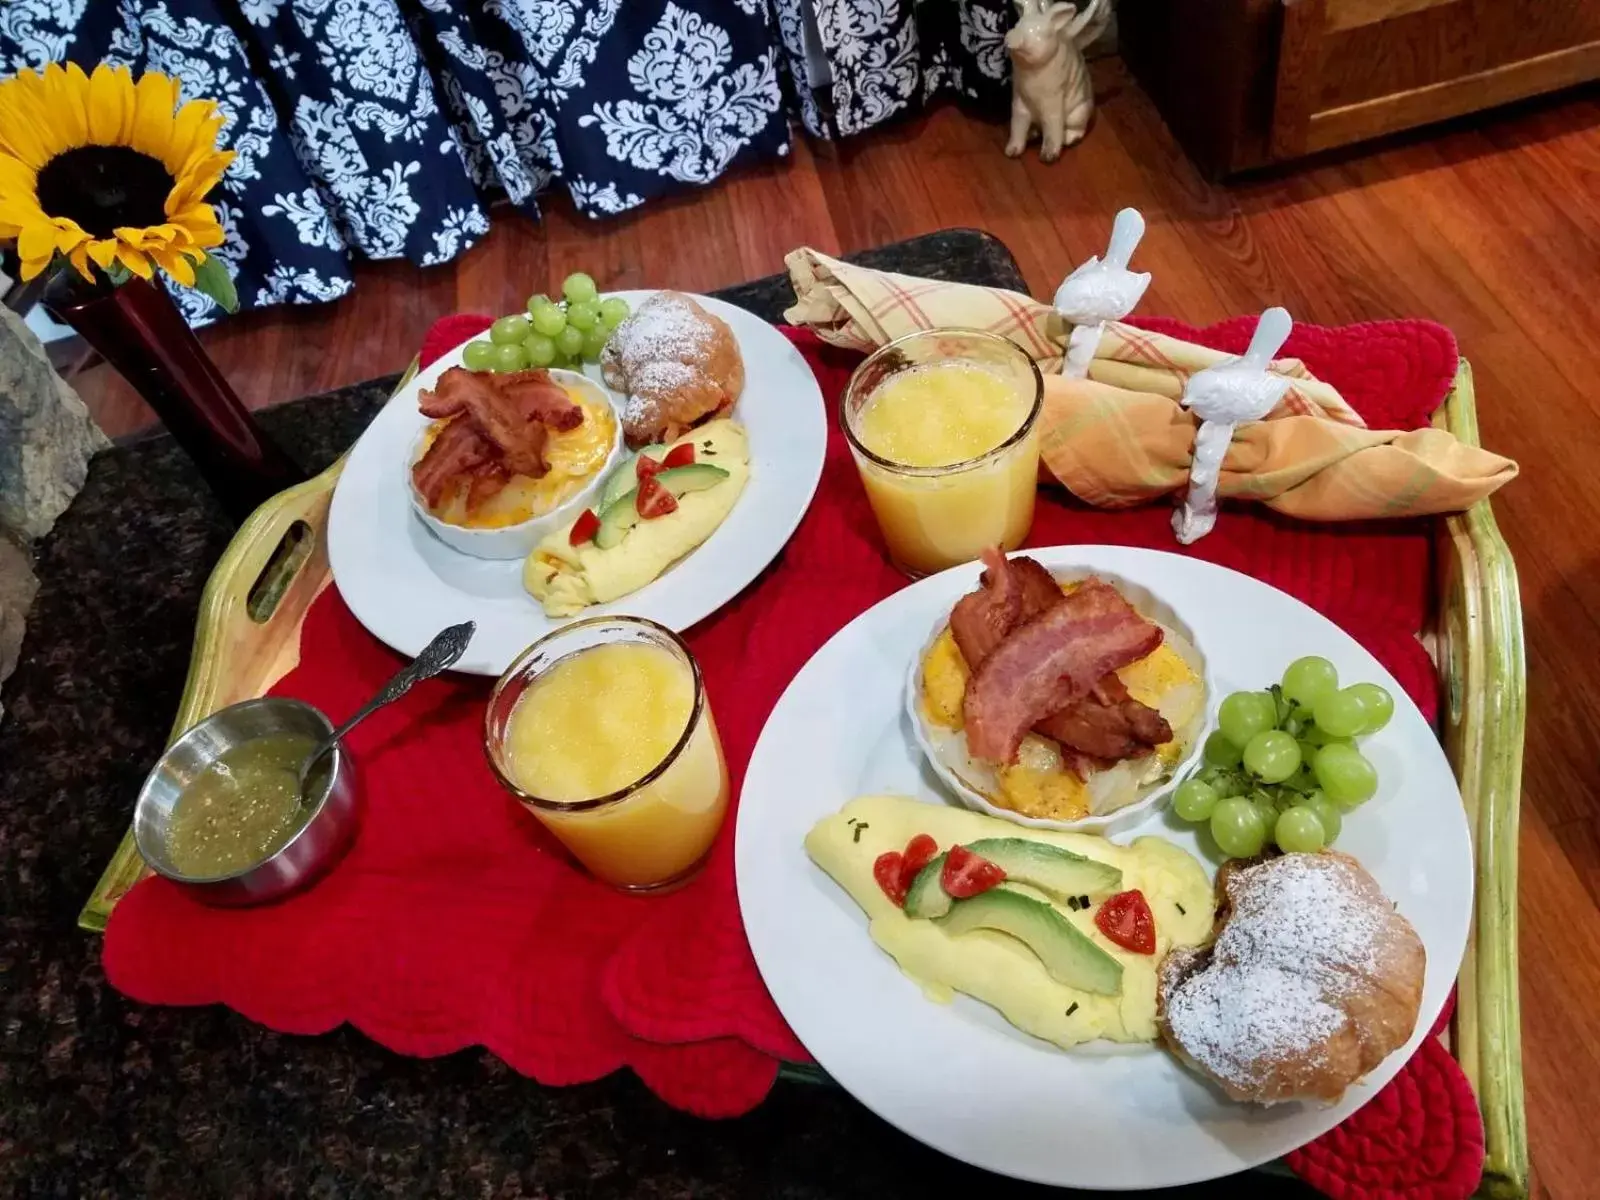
x=46 y=441
x=17 y=587
x=1050 y=86
x=46 y=435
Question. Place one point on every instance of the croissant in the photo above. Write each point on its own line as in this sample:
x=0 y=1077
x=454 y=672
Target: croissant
x=1311 y=981
x=678 y=365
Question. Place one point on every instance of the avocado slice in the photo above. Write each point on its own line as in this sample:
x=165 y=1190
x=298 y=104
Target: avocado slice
x=1060 y=873
x=622 y=482
x=926 y=896
x=696 y=477
x=1067 y=954
x=625 y=478
x=621 y=515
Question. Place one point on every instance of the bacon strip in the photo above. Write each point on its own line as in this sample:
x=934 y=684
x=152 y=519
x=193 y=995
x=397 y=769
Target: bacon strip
x=510 y=416
x=1108 y=723
x=459 y=450
x=1044 y=665
x=981 y=620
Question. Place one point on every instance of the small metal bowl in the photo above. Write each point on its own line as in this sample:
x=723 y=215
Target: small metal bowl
x=320 y=842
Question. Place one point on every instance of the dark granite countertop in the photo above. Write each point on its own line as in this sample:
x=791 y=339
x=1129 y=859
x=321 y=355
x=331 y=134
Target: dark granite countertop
x=103 y=1097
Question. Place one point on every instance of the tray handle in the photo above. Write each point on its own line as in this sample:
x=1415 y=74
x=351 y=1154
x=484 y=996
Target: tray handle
x=1482 y=665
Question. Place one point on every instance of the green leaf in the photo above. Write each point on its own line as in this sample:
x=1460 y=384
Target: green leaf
x=212 y=278
x=117 y=273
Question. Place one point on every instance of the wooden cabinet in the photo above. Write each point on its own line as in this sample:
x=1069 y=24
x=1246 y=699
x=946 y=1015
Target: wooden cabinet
x=1244 y=83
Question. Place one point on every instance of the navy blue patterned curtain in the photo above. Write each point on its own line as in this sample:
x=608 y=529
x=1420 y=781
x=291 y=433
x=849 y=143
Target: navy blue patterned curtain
x=382 y=127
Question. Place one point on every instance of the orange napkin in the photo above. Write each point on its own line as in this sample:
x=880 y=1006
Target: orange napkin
x=1121 y=437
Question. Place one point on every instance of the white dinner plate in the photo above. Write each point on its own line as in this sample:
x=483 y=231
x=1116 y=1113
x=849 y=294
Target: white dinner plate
x=957 y=1076
x=405 y=585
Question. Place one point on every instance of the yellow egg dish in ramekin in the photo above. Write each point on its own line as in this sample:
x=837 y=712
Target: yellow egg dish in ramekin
x=515 y=519
x=1036 y=788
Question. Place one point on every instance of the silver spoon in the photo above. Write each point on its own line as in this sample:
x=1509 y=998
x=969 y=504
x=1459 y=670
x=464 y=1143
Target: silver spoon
x=437 y=656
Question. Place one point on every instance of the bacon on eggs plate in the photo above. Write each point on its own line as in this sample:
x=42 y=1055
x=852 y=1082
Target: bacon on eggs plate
x=1067 y=702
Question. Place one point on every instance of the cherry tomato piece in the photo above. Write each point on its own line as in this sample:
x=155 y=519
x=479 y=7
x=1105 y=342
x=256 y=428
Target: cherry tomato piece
x=967 y=874
x=1127 y=920
x=654 y=500
x=886 y=869
x=583 y=528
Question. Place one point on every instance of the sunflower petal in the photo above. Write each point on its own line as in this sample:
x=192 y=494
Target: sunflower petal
x=175 y=265
x=103 y=251
x=187 y=133
x=199 y=221
x=32 y=266
x=17 y=178
x=110 y=105
x=66 y=89
x=155 y=96
x=199 y=175
x=37 y=240
x=79 y=258
x=136 y=261
x=25 y=128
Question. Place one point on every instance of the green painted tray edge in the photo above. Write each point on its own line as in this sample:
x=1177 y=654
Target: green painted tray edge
x=1481 y=665
x=1481 y=659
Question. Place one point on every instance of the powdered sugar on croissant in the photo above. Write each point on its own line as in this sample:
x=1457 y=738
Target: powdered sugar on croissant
x=1312 y=981
x=678 y=365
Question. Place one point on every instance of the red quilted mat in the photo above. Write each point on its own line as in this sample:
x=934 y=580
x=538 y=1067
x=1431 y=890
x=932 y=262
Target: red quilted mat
x=455 y=921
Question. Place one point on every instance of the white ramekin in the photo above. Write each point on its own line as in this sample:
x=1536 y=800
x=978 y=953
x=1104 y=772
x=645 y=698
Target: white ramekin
x=518 y=541
x=1149 y=605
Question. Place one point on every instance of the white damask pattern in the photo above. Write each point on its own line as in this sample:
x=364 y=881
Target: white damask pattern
x=40 y=31
x=875 y=46
x=460 y=229
x=983 y=35
x=704 y=113
x=601 y=199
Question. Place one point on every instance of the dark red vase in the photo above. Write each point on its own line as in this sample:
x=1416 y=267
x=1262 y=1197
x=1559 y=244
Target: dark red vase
x=139 y=331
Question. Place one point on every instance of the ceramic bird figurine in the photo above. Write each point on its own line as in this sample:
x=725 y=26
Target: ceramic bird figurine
x=1223 y=396
x=1050 y=87
x=1101 y=290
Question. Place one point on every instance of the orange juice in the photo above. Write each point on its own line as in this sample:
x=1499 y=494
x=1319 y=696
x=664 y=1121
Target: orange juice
x=596 y=724
x=951 y=457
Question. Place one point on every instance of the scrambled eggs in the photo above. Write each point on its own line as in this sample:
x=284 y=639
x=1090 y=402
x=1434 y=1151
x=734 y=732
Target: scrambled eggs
x=992 y=966
x=565 y=578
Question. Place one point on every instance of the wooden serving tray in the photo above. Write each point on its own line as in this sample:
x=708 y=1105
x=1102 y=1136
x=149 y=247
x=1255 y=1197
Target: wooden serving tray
x=248 y=637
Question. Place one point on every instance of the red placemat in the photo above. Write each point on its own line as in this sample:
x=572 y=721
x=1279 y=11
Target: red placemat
x=455 y=921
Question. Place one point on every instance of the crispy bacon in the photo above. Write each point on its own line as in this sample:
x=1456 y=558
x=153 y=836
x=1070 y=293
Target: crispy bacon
x=981 y=620
x=510 y=418
x=1011 y=592
x=1044 y=665
x=1108 y=723
x=1103 y=727
x=459 y=450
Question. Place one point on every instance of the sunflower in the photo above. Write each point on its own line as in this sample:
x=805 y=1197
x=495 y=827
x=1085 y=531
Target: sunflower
x=105 y=170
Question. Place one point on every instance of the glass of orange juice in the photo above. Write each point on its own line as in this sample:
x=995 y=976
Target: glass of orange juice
x=603 y=731
x=943 y=425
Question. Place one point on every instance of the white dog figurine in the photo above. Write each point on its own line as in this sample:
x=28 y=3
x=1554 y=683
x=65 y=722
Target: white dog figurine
x=1050 y=85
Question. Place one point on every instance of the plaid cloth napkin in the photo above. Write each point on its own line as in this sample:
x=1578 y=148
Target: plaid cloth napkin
x=1121 y=437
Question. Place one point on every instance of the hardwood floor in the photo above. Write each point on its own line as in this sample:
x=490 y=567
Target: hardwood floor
x=1491 y=228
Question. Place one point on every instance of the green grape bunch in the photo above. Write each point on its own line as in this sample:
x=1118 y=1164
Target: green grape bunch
x=551 y=333
x=1283 y=766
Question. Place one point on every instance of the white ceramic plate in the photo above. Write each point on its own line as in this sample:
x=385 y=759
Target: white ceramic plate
x=405 y=585
x=958 y=1077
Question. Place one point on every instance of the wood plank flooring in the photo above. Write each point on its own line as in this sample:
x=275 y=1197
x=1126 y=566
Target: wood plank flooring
x=1491 y=227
